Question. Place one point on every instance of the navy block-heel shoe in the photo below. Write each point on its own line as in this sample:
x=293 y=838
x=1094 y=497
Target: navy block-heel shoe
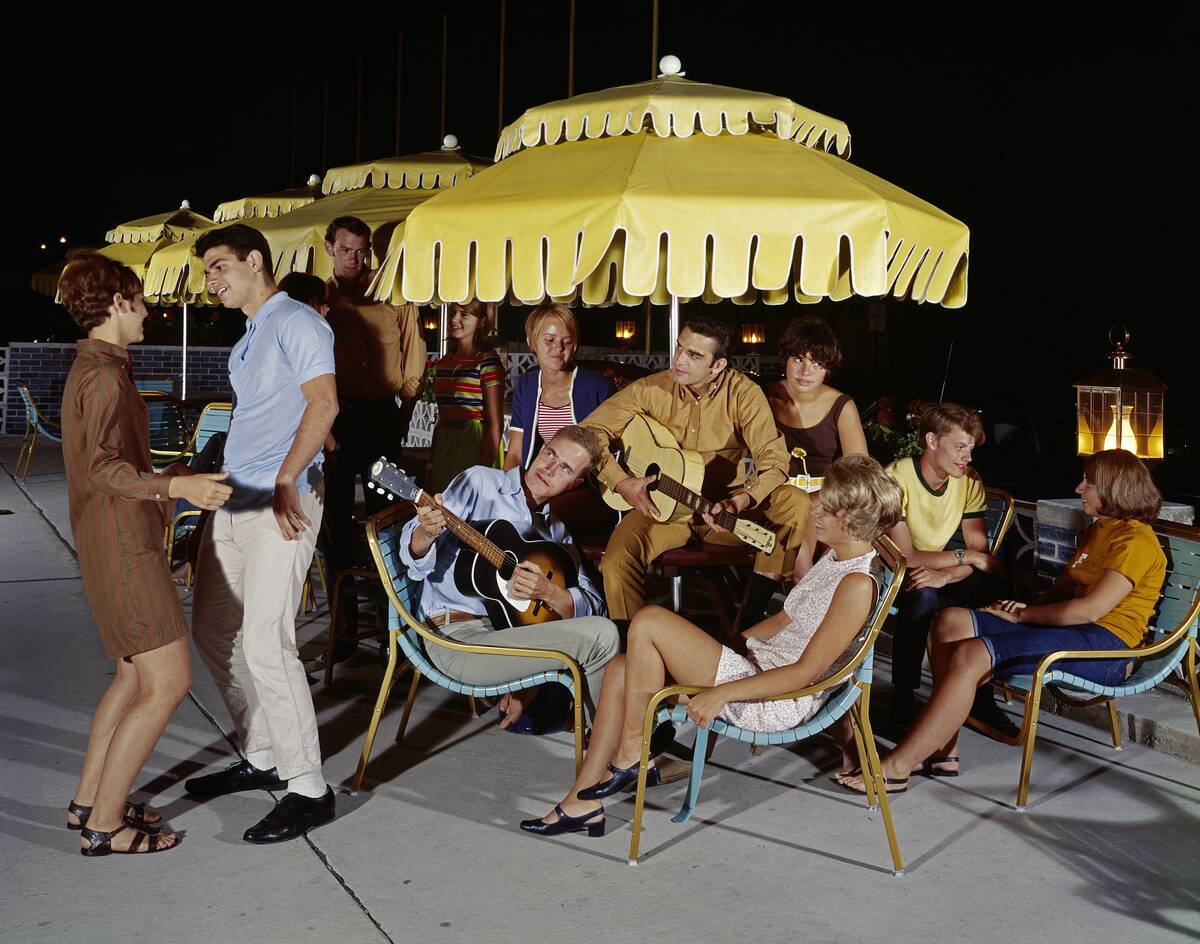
x=567 y=824
x=620 y=779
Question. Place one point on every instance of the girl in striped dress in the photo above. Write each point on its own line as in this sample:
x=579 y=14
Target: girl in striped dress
x=469 y=385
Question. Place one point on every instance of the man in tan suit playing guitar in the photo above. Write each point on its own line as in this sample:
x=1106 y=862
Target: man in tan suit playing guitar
x=721 y=415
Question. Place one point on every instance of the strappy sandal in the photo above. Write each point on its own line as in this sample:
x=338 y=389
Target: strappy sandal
x=135 y=817
x=940 y=766
x=890 y=785
x=100 y=843
x=841 y=776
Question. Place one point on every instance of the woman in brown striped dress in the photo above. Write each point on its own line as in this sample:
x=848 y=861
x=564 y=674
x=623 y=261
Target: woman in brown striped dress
x=118 y=510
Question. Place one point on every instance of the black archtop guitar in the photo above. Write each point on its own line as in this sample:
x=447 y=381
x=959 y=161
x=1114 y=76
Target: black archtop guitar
x=495 y=549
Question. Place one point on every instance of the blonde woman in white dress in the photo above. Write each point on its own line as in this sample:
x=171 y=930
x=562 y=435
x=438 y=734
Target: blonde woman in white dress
x=785 y=652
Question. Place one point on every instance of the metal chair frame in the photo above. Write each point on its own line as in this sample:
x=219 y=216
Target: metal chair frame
x=407 y=633
x=35 y=424
x=851 y=688
x=1170 y=650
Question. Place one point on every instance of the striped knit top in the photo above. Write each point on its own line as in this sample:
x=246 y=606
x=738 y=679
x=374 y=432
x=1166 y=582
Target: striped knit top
x=550 y=419
x=459 y=384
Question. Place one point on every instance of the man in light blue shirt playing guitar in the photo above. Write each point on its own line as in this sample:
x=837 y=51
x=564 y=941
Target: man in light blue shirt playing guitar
x=540 y=596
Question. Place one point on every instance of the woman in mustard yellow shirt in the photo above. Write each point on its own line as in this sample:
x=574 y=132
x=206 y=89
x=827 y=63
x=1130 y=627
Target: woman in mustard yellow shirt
x=1103 y=599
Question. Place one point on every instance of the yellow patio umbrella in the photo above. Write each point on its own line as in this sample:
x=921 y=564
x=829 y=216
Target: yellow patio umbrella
x=176 y=225
x=267 y=205
x=45 y=281
x=670 y=190
x=432 y=170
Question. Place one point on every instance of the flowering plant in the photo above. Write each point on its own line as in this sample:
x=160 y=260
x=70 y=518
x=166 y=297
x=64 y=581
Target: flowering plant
x=889 y=440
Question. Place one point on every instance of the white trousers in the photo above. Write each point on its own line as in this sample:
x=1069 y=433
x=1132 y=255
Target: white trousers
x=248 y=586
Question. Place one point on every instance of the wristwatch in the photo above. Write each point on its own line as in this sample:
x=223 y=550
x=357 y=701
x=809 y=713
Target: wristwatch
x=961 y=555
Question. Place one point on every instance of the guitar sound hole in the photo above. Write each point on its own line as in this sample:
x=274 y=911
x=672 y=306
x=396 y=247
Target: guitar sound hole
x=652 y=470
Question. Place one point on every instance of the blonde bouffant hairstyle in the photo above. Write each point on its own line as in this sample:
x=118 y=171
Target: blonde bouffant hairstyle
x=867 y=499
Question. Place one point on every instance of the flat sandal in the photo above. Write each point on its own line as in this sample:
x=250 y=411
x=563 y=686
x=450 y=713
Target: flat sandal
x=100 y=843
x=135 y=817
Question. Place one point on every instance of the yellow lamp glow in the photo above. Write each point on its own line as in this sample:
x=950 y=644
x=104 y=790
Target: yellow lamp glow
x=1120 y=407
x=626 y=330
x=754 y=333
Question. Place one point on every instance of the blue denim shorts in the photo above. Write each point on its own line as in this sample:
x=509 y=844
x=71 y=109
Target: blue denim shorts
x=1018 y=648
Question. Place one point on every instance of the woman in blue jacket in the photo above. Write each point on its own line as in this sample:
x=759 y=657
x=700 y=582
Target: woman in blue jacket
x=555 y=394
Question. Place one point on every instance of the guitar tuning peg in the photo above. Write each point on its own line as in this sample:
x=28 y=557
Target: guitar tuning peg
x=391 y=497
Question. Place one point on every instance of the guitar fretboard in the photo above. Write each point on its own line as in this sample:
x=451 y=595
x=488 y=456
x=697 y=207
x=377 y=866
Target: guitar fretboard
x=468 y=535
x=676 y=490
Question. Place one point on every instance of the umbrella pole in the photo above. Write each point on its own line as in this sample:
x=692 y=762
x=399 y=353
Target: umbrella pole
x=183 y=388
x=674 y=327
x=443 y=329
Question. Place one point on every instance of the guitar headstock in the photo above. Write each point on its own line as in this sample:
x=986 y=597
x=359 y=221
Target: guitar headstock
x=388 y=478
x=755 y=535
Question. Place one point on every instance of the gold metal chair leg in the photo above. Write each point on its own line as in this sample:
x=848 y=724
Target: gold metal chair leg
x=872 y=760
x=1114 y=724
x=864 y=765
x=408 y=703
x=1032 y=705
x=321 y=574
x=385 y=689
x=1193 y=686
x=643 y=770
x=580 y=695
x=474 y=709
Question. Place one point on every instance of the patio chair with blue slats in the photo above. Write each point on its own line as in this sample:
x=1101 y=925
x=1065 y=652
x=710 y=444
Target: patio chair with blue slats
x=848 y=681
x=170 y=434
x=215 y=418
x=156 y=383
x=1169 y=648
x=36 y=425
x=409 y=636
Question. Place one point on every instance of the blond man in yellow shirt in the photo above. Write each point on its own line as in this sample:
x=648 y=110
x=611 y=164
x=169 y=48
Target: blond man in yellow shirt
x=941 y=494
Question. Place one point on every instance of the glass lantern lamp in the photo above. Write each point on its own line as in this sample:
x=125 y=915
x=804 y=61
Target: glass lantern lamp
x=1120 y=407
x=626 y=330
x=753 y=334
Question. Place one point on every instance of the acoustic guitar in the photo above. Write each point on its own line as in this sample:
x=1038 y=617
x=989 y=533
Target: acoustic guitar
x=495 y=548
x=648 y=448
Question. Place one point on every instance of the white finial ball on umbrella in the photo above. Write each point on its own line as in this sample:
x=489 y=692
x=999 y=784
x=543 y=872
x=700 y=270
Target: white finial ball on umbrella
x=314 y=180
x=185 y=205
x=670 y=65
x=450 y=143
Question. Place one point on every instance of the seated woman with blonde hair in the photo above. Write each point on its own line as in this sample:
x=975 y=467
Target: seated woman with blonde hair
x=785 y=652
x=1103 y=599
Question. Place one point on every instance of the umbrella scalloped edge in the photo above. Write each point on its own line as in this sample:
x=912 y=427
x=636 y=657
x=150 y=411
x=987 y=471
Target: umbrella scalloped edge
x=904 y=271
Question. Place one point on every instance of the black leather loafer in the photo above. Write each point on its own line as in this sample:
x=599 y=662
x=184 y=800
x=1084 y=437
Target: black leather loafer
x=293 y=816
x=241 y=776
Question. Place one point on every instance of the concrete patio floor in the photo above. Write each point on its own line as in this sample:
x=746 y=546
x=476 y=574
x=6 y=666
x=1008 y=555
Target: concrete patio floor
x=429 y=850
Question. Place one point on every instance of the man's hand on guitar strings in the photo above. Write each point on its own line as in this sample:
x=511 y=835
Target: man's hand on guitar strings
x=636 y=491
x=529 y=583
x=733 y=506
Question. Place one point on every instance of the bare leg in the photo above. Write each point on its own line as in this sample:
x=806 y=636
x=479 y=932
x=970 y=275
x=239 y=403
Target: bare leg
x=606 y=734
x=660 y=642
x=163 y=677
x=112 y=708
x=949 y=627
x=968 y=663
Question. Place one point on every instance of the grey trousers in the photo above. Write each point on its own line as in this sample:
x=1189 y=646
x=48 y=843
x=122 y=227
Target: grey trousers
x=592 y=641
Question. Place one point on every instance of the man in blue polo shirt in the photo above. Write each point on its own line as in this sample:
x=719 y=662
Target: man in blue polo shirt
x=254 y=556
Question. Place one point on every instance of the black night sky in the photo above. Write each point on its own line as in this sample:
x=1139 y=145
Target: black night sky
x=1060 y=138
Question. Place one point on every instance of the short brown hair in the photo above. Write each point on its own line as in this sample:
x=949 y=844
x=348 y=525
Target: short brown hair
x=711 y=327
x=943 y=418
x=486 y=313
x=581 y=437
x=543 y=313
x=239 y=237
x=1124 y=485
x=352 y=224
x=88 y=284
x=867 y=499
x=812 y=336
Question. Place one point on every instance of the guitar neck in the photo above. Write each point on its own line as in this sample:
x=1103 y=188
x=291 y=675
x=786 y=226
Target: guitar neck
x=672 y=489
x=488 y=550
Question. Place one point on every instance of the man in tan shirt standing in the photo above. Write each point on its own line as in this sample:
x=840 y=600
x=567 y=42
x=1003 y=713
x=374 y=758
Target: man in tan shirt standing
x=380 y=359
x=720 y=413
